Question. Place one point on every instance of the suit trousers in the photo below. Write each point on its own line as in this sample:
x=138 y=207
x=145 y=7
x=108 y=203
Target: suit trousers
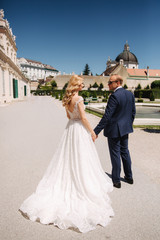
x=118 y=148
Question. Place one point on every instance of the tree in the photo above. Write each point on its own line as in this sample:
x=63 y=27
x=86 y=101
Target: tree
x=65 y=86
x=147 y=87
x=86 y=70
x=95 y=85
x=101 y=86
x=139 y=86
x=53 y=84
x=125 y=86
x=155 y=84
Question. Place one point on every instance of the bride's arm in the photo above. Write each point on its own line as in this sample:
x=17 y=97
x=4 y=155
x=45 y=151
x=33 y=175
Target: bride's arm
x=85 y=121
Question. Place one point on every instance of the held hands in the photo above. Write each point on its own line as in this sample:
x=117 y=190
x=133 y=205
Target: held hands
x=94 y=136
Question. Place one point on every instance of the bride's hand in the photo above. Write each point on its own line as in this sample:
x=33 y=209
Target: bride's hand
x=93 y=135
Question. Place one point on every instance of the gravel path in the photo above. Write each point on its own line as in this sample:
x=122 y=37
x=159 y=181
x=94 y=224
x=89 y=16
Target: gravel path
x=29 y=134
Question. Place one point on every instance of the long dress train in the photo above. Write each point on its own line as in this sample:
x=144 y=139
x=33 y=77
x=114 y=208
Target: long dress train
x=74 y=189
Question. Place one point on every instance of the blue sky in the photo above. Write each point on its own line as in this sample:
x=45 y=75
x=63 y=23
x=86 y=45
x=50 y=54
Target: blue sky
x=69 y=34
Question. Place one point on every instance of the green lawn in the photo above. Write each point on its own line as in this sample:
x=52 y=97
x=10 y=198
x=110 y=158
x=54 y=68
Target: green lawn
x=147 y=126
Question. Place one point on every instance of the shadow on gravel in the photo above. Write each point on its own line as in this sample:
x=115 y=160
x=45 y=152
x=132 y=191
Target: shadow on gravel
x=151 y=130
x=121 y=179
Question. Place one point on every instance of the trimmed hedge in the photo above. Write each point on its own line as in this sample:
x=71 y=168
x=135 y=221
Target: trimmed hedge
x=48 y=88
x=152 y=97
x=146 y=93
x=84 y=93
x=41 y=92
x=44 y=92
x=140 y=100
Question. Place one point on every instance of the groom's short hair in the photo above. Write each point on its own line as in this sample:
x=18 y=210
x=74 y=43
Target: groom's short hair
x=118 y=78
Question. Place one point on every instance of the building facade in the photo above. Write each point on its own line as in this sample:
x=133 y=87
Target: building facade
x=35 y=70
x=143 y=77
x=127 y=58
x=126 y=65
x=13 y=84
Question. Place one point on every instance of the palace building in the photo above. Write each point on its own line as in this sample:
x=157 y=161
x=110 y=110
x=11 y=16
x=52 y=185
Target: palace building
x=13 y=84
x=126 y=65
x=35 y=70
x=127 y=58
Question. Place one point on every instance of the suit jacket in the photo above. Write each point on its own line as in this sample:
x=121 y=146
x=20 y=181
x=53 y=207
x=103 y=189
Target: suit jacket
x=119 y=115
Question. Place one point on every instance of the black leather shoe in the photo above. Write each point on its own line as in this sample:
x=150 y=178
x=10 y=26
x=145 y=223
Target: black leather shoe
x=117 y=185
x=128 y=180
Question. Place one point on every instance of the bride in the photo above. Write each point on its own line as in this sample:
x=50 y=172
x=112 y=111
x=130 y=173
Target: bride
x=73 y=192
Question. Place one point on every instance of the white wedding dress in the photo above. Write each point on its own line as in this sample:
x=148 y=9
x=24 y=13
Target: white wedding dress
x=73 y=192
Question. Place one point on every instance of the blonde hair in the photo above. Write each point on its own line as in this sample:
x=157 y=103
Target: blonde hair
x=118 y=78
x=73 y=86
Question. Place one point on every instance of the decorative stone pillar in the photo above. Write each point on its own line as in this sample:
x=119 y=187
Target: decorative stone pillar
x=1 y=14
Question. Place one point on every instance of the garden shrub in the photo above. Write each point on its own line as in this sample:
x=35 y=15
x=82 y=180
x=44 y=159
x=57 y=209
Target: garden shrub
x=155 y=84
x=152 y=98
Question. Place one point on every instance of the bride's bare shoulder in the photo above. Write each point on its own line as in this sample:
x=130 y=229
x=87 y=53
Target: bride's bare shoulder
x=75 y=98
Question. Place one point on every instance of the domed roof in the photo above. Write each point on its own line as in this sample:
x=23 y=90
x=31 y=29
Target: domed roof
x=127 y=56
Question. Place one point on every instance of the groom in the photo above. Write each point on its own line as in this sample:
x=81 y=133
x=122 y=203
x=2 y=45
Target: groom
x=117 y=124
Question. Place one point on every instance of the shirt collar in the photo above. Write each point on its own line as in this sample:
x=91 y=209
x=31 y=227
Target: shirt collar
x=117 y=88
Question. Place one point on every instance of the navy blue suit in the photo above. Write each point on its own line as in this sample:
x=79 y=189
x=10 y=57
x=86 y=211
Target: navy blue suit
x=117 y=124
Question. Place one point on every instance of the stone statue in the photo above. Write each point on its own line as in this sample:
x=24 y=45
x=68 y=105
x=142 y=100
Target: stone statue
x=7 y=23
x=11 y=31
x=1 y=14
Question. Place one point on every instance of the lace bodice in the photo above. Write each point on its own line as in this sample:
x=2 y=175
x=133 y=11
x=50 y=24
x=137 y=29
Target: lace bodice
x=75 y=115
